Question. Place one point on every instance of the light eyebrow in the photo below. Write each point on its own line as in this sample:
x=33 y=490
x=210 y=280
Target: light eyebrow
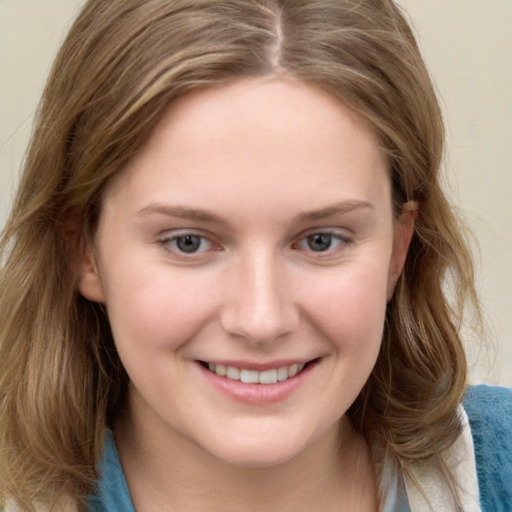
x=182 y=212
x=199 y=215
x=335 y=209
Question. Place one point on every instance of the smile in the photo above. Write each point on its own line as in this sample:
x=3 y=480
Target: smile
x=247 y=376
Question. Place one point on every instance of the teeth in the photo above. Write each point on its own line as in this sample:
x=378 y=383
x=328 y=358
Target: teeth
x=254 y=377
x=220 y=370
x=282 y=373
x=267 y=377
x=292 y=370
x=232 y=373
x=249 y=376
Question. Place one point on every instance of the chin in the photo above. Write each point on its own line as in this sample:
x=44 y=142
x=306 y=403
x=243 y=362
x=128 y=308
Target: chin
x=257 y=457
x=253 y=451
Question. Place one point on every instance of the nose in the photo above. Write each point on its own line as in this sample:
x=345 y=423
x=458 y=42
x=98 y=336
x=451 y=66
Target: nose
x=259 y=304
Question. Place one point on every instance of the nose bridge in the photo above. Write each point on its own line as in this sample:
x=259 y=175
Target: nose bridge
x=260 y=306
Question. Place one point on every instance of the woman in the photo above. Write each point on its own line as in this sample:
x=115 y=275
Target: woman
x=224 y=280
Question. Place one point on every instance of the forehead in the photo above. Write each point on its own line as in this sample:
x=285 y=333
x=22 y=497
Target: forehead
x=280 y=138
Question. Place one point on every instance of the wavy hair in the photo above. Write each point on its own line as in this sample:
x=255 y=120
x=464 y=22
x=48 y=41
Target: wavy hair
x=122 y=64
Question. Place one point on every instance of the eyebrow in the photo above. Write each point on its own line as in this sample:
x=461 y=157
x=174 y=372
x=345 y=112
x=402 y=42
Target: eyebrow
x=182 y=212
x=335 y=209
x=200 y=215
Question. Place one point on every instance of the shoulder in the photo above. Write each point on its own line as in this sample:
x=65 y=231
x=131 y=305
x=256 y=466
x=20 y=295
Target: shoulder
x=489 y=410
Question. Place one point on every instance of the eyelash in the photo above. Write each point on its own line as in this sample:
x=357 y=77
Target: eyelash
x=341 y=241
x=170 y=243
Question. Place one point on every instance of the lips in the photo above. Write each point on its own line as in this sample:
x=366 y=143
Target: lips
x=251 y=376
x=258 y=384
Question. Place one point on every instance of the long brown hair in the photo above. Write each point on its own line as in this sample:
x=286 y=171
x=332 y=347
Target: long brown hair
x=123 y=62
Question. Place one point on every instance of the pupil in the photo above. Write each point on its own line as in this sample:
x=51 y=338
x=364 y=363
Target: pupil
x=188 y=243
x=319 y=242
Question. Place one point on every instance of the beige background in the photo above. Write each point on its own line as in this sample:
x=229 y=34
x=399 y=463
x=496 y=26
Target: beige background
x=468 y=44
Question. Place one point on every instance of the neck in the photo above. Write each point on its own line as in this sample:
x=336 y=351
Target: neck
x=164 y=472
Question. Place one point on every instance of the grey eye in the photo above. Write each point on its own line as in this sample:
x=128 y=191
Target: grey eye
x=188 y=243
x=319 y=242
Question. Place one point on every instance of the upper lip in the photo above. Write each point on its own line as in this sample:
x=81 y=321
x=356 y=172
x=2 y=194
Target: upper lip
x=258 y=366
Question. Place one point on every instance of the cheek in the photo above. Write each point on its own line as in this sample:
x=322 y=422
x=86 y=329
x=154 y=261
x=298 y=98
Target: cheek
x=155 y=310
x=349 y=308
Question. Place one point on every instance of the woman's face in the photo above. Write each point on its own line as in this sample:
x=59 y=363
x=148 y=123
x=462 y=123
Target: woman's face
x=251 y=240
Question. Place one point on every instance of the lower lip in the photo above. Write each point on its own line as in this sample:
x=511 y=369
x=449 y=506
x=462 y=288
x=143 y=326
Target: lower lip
x=258 y=394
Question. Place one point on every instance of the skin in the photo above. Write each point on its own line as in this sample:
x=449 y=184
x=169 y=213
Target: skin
x=253 y=169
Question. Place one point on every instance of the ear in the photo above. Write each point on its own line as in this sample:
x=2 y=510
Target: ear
x=81 y=252
x=404 y=229
x=89 y=280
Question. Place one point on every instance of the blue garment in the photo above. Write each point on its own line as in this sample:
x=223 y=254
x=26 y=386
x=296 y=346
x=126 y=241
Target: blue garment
x=113 y=494
x=489 y=410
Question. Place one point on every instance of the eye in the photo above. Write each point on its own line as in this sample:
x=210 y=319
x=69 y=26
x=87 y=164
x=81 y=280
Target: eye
x=323 y=241
x=187 y=243
x=319 y=242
